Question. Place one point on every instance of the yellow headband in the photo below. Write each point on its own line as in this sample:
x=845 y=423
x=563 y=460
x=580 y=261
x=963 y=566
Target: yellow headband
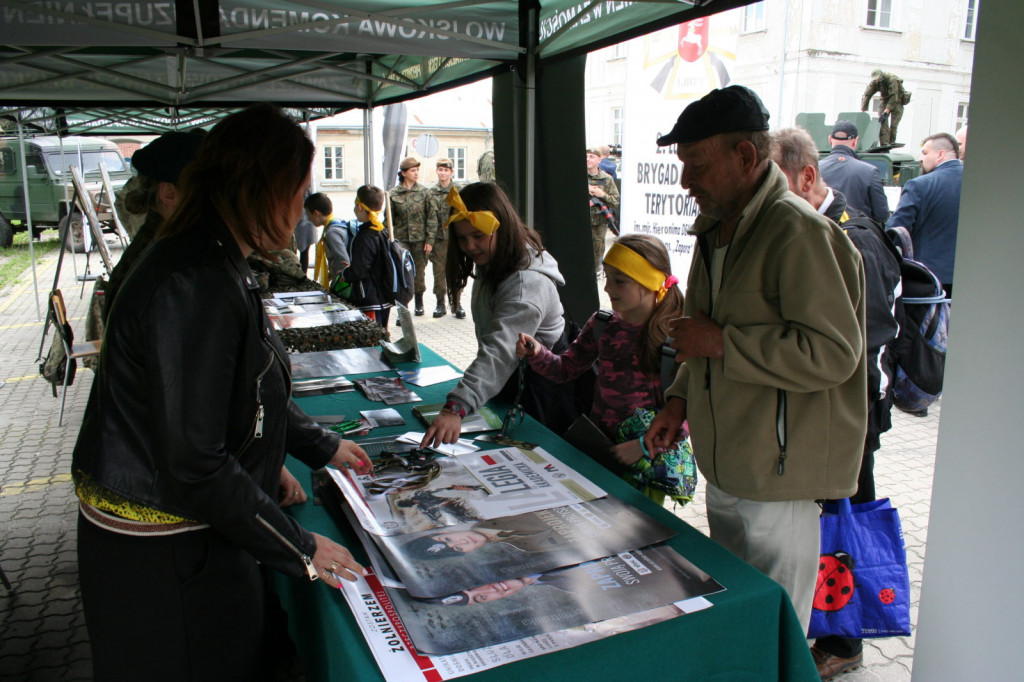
x=374 y=215
x=485 y=221
x=638 y=268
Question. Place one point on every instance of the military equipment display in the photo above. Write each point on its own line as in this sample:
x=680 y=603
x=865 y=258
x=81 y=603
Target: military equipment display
x=286 y=275
x=49 y=184
x=896 y=167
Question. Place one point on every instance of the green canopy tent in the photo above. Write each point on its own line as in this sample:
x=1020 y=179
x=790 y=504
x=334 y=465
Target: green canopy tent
x=131 y=67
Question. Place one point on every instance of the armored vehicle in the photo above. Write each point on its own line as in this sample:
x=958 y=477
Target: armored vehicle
x=49 y=183
x=895 y=166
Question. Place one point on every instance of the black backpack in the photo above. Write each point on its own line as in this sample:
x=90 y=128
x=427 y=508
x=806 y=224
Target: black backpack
x=919 y=350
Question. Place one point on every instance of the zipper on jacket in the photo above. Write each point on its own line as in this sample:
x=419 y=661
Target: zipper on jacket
x=780 y=430
x=257 y=431
x=306 y=560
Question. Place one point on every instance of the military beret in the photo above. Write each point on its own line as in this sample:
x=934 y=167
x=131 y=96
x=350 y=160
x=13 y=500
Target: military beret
x=408 y=162
x=164 y=158
x=726 y=110
x=447 y=163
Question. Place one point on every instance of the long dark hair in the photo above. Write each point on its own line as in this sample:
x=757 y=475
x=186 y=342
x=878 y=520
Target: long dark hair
x=512 y=239
x=655 y=331
x=247 y=171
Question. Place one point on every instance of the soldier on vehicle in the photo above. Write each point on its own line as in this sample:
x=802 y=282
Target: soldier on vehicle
x=893 y=95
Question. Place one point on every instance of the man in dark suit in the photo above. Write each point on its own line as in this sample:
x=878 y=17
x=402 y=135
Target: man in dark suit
x=859 y=181
x=930 y=206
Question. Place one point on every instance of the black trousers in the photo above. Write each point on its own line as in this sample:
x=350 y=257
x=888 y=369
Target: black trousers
x=180 y=607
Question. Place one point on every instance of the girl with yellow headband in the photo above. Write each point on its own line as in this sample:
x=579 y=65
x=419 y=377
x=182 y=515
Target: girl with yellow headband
x=627 y=352
x=515 y=287
x=368 y=275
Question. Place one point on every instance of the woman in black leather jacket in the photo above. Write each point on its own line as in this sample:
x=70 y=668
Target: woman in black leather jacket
x=178 y=462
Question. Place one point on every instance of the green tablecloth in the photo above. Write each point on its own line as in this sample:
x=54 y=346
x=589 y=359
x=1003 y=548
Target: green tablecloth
x=751 y=632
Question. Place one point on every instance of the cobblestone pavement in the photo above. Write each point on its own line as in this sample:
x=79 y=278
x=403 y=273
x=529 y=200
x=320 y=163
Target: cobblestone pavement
x=42 y=630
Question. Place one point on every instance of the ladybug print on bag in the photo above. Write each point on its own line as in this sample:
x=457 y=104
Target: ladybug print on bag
x=835 y=582
x=887 y=595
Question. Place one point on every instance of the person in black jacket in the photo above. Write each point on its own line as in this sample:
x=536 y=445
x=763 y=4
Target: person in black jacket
x=177 y=464
x=859 y=181
x=371 y=271
x=795 y=153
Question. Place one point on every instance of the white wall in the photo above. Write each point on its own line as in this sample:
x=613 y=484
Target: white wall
x=970 y=625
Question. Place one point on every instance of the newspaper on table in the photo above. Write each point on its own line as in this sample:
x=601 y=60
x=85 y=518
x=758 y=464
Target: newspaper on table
x=399 y=661
x=440 y=562
x=507 y=610
x=483 y=485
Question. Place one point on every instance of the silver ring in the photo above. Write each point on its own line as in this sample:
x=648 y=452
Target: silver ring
x=296 y=493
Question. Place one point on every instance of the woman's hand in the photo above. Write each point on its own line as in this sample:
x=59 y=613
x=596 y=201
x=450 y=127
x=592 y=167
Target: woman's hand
x=628 y=453
x=526 y=347
x=445 y=428
x=290 y=491
x=351 y=455
x=332 y=561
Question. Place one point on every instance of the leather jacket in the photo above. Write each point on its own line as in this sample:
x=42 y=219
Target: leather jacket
x=190 y=411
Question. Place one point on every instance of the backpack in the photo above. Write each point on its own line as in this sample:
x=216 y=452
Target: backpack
x=904 y=94
x=403 y=273
x=919 y=350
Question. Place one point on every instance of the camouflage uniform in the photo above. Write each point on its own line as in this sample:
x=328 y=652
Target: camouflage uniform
x=440 y=210
x=890 y=87
x=414 y=225
x=485 y=166
x=598 y=222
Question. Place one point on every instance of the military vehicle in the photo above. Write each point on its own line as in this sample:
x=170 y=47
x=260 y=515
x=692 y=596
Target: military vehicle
x=47 y=178
x=895 y=166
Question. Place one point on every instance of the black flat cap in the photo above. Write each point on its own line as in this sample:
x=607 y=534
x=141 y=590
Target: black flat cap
x=165 y=157
x=726 y=110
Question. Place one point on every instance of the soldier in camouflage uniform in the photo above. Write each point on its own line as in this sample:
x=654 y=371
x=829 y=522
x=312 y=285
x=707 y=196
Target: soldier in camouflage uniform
x=601 y=186
x=485 y=166
x=438 y=255
x=893 y=95
x=413 y=222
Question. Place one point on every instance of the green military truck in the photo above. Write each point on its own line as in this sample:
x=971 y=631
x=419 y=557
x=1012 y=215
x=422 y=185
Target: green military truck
x=895 y=166
x=47 y=178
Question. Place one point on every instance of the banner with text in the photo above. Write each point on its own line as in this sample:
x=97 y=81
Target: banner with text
x=668 y=70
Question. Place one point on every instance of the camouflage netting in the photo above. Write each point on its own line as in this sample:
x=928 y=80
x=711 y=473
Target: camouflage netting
x=287 y=275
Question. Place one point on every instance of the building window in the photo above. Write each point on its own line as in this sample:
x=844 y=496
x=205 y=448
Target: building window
x=617 y=51
x=458 y=157
x=961 y=115
x=971 y=24
x=617 y=126
x=753 y=17
x=334 y=163
x=879 y=13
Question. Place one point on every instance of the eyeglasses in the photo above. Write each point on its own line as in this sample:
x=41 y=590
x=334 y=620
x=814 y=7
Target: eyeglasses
x=514 y=416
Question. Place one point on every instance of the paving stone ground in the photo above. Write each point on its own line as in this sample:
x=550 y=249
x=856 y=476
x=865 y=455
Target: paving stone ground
x=42 y=630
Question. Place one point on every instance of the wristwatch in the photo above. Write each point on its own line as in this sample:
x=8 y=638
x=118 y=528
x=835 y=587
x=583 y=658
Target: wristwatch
x=455 y=408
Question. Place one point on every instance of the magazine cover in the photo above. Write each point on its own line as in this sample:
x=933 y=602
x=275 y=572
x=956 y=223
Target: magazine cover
x=420 y=490
x=612 y=587
x=399 y=661
x=443 y=561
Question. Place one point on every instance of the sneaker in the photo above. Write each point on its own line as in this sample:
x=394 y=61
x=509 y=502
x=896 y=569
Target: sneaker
x=831 y=666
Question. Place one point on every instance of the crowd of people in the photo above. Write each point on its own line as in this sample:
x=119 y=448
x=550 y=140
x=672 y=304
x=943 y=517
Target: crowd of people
x=778 y=398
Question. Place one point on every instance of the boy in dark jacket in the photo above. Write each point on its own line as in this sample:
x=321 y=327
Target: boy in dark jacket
x=370 y=271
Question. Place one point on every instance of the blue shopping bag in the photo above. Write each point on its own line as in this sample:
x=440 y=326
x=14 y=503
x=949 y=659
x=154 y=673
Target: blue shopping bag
x=863 y=587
